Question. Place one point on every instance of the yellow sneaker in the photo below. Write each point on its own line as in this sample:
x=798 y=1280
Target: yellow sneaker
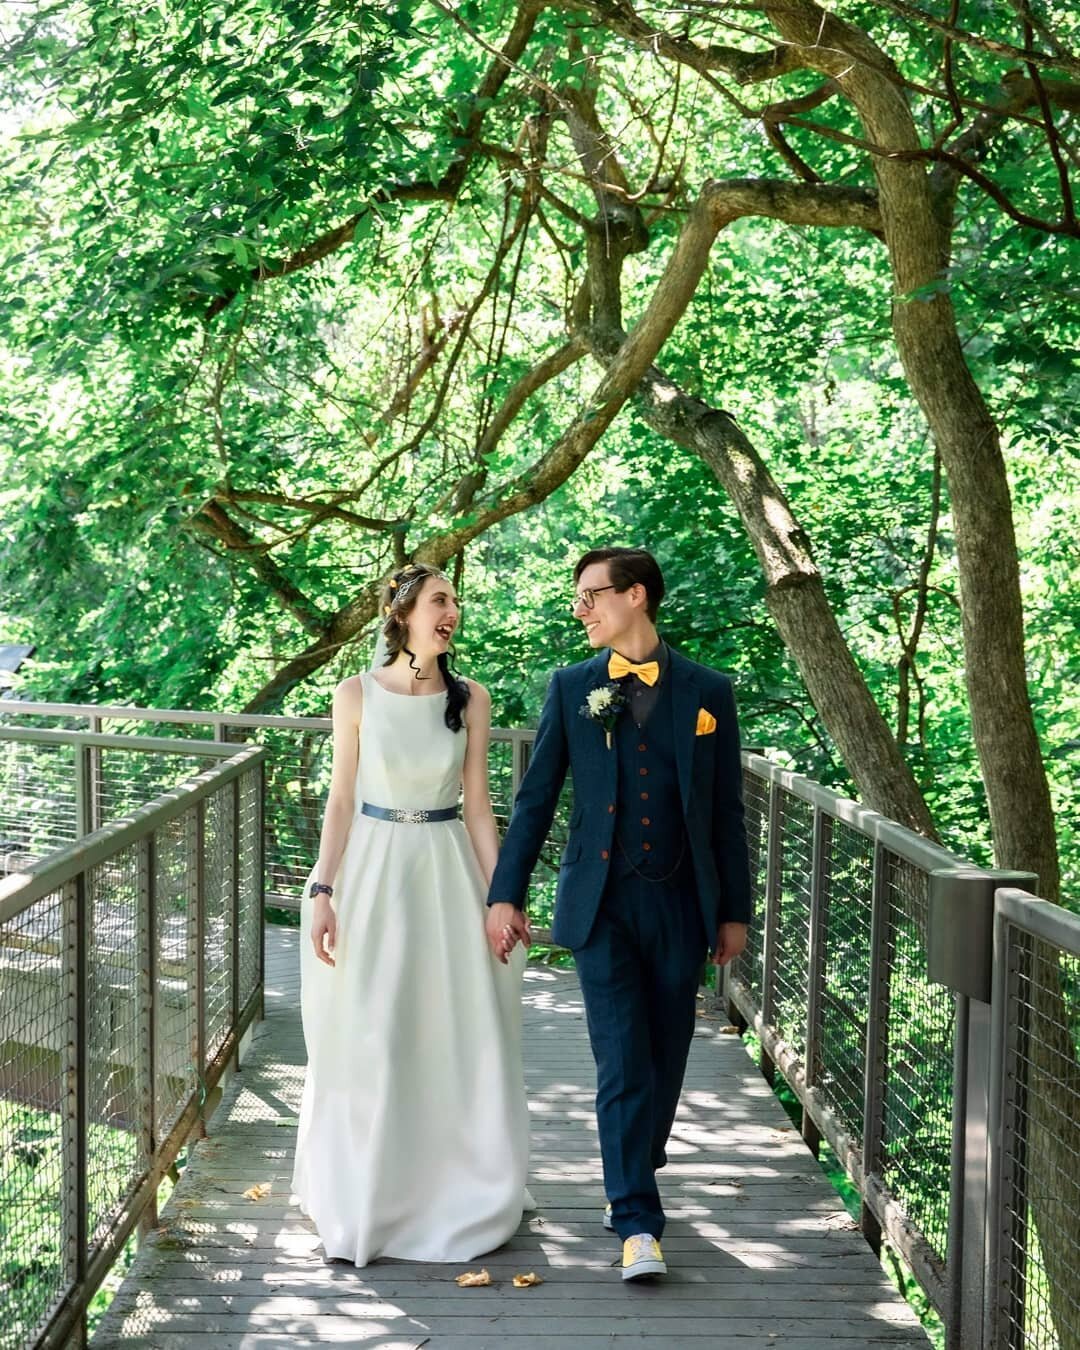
x=641 y=1256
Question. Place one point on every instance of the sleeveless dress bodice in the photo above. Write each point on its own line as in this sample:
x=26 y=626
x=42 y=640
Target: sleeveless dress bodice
x=409 y=757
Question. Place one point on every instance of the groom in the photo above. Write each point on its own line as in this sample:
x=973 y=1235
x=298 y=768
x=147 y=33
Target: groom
x=655 y=870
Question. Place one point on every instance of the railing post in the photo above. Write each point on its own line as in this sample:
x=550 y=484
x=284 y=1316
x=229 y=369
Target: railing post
x=773 y=889
x=146 y=938
x=83 y=791
x=94 y=777
x=73 y=1140
x=819 y=871
x=519 y=762
x=234 y=951
x=877 y=1043
x=960 y=955
x=194 y=840
x=260 y=878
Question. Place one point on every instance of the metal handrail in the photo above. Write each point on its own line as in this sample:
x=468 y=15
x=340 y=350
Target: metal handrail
x=92 y=971
x=51 y=873
x=290 y=857
x=847 y=897
x=1031 y=1247
x=860 y=1151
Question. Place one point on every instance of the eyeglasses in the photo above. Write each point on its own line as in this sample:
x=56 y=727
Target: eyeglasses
x=588 y=596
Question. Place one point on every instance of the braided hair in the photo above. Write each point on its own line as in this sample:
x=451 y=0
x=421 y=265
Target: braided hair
x=399 y=598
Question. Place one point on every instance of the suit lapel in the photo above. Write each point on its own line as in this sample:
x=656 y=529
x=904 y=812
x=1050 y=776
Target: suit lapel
x=596 y=674
x=685 y=702
x=592 y=734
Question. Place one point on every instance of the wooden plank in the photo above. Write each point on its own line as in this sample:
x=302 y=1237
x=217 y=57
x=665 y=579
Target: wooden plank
x=761 y=1252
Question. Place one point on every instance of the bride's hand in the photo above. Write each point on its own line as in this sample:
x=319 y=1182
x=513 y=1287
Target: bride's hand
x=324 y=930
x=505 y=927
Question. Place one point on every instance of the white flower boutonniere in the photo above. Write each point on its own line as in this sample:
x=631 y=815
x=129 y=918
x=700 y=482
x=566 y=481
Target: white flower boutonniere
x=603 y=704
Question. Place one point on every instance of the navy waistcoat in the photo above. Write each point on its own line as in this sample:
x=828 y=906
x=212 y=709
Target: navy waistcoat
x=649 y=828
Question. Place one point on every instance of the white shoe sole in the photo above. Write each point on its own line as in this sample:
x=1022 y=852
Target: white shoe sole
x=607 y=1221
x=643 y=1269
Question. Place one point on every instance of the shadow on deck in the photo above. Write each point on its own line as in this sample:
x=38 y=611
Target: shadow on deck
x=760 y=1250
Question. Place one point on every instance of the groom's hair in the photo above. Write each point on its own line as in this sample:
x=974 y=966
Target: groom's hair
x=627 y=567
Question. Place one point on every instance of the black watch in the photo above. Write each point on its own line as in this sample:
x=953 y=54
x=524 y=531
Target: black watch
x=318 y=888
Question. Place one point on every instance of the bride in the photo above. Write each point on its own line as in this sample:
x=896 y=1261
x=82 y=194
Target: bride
x=413 y=1138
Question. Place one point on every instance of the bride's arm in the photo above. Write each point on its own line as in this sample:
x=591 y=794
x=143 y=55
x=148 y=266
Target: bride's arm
x=337 y=821
x=479 y=817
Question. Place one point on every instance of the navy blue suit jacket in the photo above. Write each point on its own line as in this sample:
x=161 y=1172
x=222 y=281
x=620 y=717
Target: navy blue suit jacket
x=710 y=787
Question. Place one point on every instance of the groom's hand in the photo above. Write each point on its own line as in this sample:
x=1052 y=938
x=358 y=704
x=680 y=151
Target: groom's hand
x=505 y=927
x=730 y=942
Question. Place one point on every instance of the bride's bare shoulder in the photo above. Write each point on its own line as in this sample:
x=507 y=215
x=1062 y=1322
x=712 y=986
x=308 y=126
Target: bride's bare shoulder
x=349 y=696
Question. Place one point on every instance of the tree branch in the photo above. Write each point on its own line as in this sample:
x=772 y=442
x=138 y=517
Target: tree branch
x=447 y=187
x=211 y=519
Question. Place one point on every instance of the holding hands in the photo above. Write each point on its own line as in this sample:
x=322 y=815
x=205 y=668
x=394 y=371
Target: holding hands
x=506 y=926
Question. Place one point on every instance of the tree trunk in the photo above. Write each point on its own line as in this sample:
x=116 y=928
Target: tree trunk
x=924 y=325
x=795 y=596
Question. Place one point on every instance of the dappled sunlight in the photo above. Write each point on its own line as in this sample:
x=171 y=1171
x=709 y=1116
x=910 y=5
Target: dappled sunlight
x=751 y=1222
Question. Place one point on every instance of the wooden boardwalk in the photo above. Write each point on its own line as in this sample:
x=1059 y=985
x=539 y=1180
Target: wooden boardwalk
x=760 y=1251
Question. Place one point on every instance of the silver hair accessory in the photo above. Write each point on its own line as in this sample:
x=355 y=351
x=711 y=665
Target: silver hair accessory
x=402 y=588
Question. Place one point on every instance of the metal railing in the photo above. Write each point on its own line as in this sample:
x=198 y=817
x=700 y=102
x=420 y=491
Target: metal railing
x=1033 y=1228
x=868 y=979
x=860 y=926
x=131 y=962
x=297 y=780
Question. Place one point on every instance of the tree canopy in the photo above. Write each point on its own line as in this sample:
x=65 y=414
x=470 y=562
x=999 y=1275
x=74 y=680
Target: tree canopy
x=296 y=291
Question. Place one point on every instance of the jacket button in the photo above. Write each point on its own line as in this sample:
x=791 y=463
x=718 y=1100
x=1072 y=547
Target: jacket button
x=645 y=820
x=646 y=847
x=604 y=854
x=611 y=808
x=644 y=796
x=643 y=772
x=641 y=747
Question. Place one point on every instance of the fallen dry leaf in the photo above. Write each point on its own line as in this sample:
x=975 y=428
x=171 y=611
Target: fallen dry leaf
x=258 y=1192
x=527 y=1281
x=473 y=1279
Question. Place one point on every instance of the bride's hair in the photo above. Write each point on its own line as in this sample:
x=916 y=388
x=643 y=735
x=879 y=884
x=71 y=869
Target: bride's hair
x=399 y=597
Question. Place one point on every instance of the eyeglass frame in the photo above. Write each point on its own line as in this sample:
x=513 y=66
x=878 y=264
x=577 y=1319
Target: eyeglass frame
x=592 y=592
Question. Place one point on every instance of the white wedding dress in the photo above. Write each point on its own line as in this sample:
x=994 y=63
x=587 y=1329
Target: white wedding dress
x=414 y=1135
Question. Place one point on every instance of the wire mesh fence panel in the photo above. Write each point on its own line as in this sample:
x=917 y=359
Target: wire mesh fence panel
x=918 y=1077
x=297 y=781
x=38 y=807
x=173 y=994
x=501 y=780
x=124 y=780
x=796 y=824
x=218 y=917
x=748 y=968
x=1039 y=1274
x=34 y=1031
x=112 y=1037
x=846 y=902
x=172 y=728
x=250 y=852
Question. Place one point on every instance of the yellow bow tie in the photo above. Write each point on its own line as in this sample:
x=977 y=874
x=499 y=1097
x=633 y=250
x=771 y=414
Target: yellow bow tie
x=618 y=666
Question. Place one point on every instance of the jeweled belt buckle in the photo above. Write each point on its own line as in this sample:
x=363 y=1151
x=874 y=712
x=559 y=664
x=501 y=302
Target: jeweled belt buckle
x=402 y=817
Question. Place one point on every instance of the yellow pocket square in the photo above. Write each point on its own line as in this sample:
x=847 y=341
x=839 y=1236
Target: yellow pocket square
x=706 y=723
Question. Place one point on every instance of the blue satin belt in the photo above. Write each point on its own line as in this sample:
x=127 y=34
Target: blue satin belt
x=408 y=817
